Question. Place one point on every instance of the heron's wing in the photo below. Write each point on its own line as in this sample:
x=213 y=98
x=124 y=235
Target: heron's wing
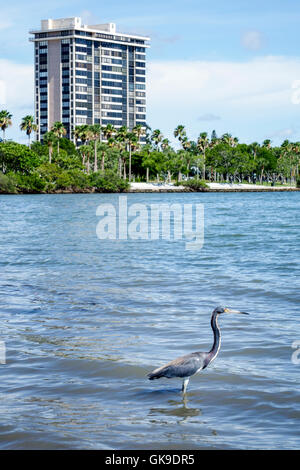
x=184 y=366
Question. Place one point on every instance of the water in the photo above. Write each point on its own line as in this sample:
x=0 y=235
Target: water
x=84 y=321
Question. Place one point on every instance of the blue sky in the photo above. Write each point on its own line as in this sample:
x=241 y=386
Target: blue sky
x=228 y=66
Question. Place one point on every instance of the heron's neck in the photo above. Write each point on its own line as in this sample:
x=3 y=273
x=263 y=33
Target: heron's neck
x=217 y=337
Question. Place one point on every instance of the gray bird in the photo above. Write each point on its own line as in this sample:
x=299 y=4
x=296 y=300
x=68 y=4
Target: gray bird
x=188 y=365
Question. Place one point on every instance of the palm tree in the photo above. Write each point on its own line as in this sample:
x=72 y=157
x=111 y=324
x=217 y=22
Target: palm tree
x=77 y=133
x=235 y=141
x=186 y=144
x=165 y=144
x=132 y=141
x=229 y=140
x=86 y=151
x=95 y=131
x=5 y=121
x=254 y=147
x=148 y=131
x=156 y=137
x=180 y=133
x=82 y=133
x=290 y=151
x=139 y=130
x=120 y=144
x=49 y=138
x=202 y=145
x=296 y=151
x=267 y=143
x=59 y=131
x=28 y=125
x=108 y=131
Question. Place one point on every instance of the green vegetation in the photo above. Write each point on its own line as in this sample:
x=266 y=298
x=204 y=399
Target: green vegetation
x=106 y=159
x=7 y=185
x=193 y=184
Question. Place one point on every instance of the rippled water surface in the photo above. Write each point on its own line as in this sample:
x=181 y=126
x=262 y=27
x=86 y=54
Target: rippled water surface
x=85 y=320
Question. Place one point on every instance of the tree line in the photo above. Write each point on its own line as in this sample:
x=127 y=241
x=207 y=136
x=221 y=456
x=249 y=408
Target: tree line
x=144 y=154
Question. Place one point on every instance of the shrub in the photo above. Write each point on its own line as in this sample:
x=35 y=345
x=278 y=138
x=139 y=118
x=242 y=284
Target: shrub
x=17 y=157
x=298 y=183
x=67 y=145
x=49 y=172
x=7 y=185
x=72 y=179
x=32 y=183
x=67 y=162
x=108 y=182
x=193 y=184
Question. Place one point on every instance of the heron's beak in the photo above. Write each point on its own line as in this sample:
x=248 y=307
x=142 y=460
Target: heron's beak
x=229 y=310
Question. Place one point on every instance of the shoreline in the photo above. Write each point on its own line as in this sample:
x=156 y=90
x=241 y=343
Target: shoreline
x=213 y=188
x=171 y=188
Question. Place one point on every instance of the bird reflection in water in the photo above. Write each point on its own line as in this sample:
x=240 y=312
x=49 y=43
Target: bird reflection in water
x=179 y=409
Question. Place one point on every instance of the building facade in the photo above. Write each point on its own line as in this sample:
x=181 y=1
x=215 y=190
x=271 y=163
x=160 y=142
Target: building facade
x=88 y=75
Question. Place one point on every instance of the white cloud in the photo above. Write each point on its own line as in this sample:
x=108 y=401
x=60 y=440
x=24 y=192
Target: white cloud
x=253 y=97
x=17 y=81
x=194 y=82
x=252 y=40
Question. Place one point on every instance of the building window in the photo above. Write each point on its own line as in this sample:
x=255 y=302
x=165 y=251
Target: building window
x=82 y=112
x=111 y=75
x=80 y=120
x=81 y=97
x=140 y=87
x=81 y=80
x=80 y=49
x=112 y=84
x=81 y=89
x=140 y=64
x=140 y=57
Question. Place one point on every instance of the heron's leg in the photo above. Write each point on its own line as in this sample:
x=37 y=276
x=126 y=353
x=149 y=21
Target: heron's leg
x=184 y=385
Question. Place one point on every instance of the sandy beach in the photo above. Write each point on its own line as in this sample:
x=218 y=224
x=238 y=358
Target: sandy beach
x=215 y=187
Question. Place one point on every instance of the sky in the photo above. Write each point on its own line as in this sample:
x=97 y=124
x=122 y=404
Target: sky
x=232 y=66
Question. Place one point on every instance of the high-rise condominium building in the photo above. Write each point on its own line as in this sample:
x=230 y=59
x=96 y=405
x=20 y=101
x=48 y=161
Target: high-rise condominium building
x=88 y=75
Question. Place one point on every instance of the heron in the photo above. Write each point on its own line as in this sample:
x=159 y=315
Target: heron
x=186 y=366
